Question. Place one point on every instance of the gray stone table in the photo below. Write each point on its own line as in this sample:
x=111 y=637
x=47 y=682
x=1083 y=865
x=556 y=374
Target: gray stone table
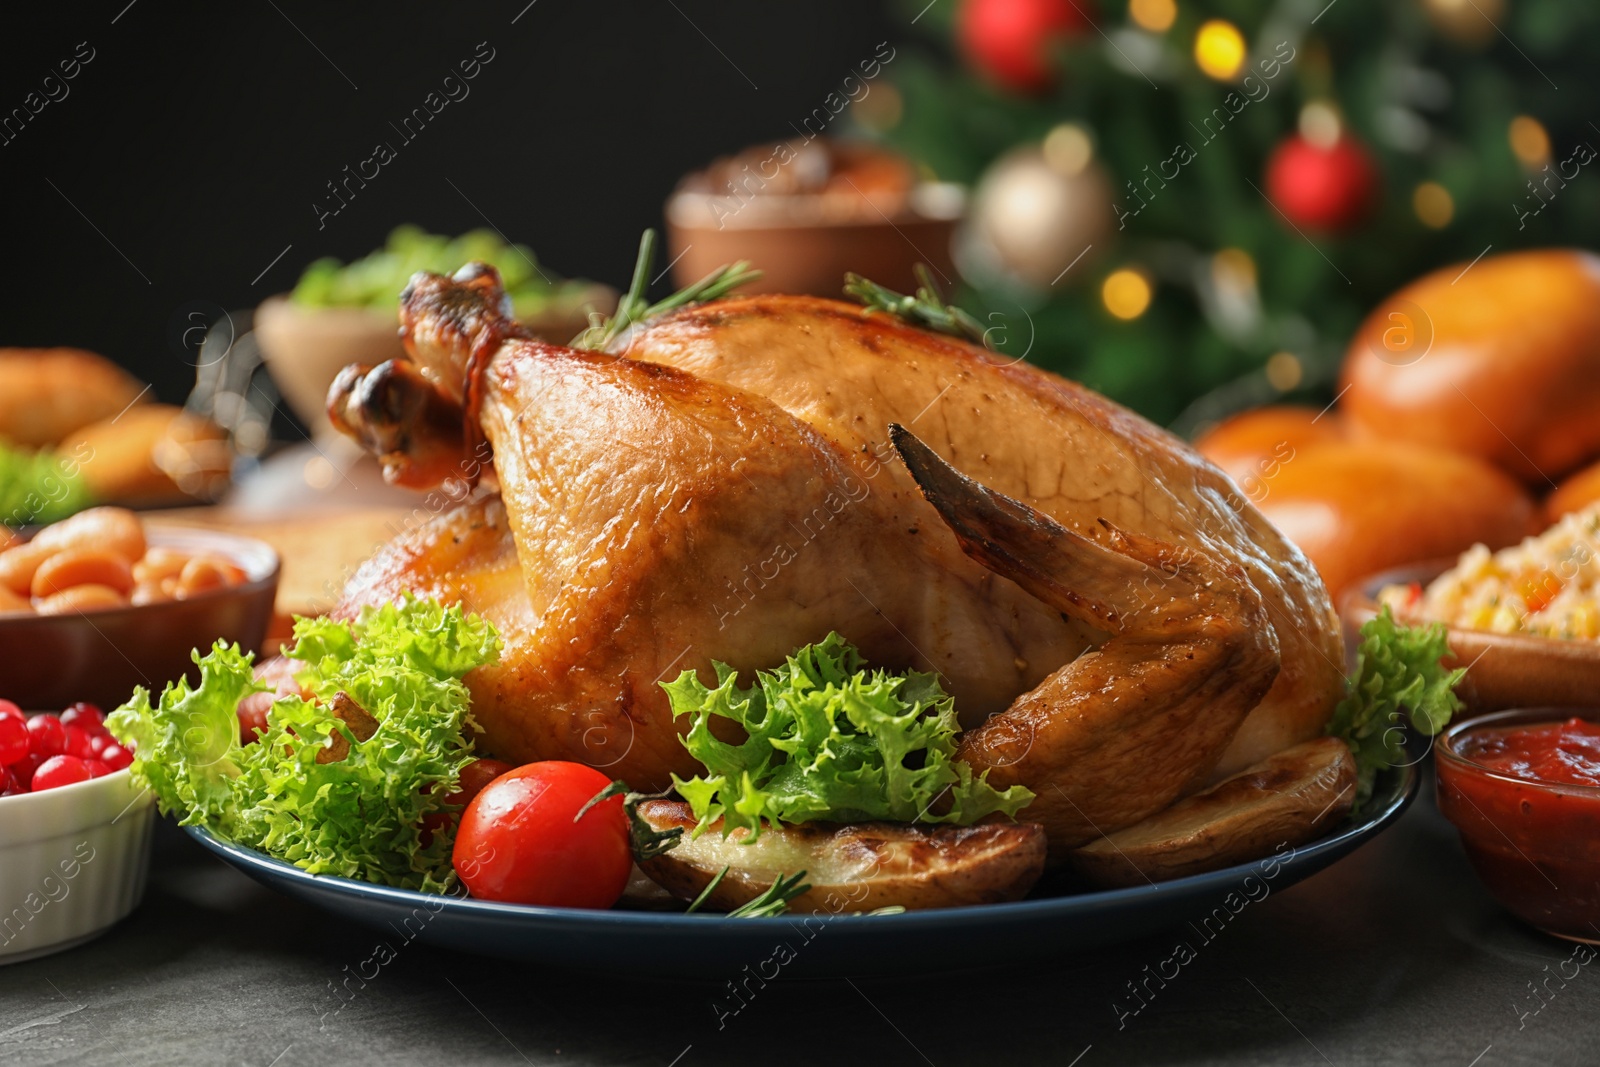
x=1395 y=955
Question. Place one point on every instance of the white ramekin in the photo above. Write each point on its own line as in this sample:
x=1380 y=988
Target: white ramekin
x=73 y=862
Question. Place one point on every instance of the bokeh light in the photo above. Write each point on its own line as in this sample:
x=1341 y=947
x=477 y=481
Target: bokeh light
x=1284 y=371
x=1434 y=205
x=1126 y=293
x=1233 y=268
x=1320 y=124
x=1529 y=141
x=881 y=109
x=1219 y=49
x=1067 y=149
x=1156 y=16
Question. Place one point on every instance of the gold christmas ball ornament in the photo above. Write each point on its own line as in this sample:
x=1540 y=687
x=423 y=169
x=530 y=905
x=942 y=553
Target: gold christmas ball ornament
x=1466 y=22
x=1041 y=209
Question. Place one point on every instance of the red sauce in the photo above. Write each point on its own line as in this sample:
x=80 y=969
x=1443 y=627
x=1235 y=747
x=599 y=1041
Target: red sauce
x=1563 y=752
x=1526 y=799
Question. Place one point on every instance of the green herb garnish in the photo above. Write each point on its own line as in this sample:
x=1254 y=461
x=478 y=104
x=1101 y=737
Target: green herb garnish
x=633 y=306
x=313 y=790
x=927 y=309
x=1397 y=668
x=705 y=894
x=827 y=739
x=645 y=840
x=773 y=900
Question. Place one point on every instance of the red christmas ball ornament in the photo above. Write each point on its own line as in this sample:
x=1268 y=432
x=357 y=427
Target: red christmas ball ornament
x=1327 y=187
x=1010 y=41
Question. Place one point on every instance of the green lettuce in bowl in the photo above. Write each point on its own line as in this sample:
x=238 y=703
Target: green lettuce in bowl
x=375 y=280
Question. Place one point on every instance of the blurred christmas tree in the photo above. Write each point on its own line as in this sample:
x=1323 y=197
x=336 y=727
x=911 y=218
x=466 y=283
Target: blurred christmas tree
x=1190 y=207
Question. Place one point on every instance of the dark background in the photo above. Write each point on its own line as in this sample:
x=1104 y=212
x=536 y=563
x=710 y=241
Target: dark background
x=199 y=136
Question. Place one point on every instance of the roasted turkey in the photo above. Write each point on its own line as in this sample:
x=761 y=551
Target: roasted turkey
x=1117 y=625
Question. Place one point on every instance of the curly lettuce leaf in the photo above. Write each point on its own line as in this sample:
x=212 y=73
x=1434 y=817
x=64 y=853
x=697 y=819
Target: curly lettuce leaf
x=359 y=816
x=1398 y=669
x=186 y=750
x=827 y=739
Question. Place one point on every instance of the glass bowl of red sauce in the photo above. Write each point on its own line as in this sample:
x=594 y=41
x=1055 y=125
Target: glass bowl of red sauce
x=1523 y=789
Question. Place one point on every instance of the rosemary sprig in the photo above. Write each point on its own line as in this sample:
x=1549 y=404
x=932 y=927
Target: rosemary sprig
x=927 y=309
x=647 y=842
x=774 y=900
x=634 y=307
x=705 y=894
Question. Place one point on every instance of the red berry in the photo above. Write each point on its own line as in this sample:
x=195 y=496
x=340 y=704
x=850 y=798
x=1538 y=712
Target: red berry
x=49 y=736
x=10 y=710
x=97 y=769
x=14 y=740
x=98 y=742
x=88 y=716
x=58 y=771
x=78 y=742
x=23 y=770
x=115 y=756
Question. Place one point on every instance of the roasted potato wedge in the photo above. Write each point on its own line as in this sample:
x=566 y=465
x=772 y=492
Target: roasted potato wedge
x=857 y=867
x=1286 y=799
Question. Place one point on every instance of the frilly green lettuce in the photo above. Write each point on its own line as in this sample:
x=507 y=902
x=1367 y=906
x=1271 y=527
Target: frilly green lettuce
x=1398 y=670
x=827 y=739
x=361 y=816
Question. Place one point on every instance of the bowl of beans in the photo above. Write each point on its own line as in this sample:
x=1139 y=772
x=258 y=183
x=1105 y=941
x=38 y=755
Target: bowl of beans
x=99 y=603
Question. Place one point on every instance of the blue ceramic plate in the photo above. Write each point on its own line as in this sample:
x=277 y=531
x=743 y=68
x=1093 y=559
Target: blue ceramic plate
x=821 y=944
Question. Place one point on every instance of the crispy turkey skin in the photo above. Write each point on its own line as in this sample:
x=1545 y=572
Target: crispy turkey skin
x=724 y=487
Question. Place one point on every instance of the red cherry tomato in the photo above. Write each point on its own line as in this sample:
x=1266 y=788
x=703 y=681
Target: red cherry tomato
x=49 y=737
x=9 y=710
x=253 y=716
x=474 y=776
x=59 y=771
x=115 y=756
x=97 y=769
x=518 y=842
x=85 y=715
x=13 y=739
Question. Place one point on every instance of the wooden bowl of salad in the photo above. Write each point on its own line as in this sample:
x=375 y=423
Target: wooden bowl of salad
x=346 y=313
x=1524 y=621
